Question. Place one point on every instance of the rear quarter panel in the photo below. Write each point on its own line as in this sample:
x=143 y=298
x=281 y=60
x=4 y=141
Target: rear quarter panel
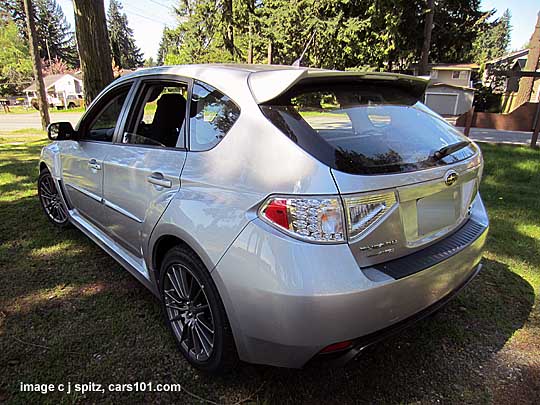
x=221 y=188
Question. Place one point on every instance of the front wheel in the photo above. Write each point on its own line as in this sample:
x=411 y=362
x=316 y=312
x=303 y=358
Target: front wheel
x=194 y=312
x=51 y=201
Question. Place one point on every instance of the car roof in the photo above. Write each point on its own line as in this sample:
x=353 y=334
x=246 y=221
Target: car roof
x=216 y=67
x=258 y=81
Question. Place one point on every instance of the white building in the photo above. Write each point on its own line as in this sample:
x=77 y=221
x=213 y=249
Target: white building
x=60 y=89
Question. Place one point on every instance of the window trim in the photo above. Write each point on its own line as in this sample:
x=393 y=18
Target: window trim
x=190 y=94
x=97 y=107
x=138 y=94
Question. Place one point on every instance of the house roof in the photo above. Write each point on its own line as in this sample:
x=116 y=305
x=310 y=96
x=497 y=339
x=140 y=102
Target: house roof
x=454 y=86
x=513 y=55
x=454 y=66
x=49 y=81
x=450 y=66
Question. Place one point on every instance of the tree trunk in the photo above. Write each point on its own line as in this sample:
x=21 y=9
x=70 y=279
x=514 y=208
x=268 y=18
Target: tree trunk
x=36 y=63
x=228 y=29
x=250 y=45
x=428 y=27
x=94 y=48
x=526 y=83
x=270 y=52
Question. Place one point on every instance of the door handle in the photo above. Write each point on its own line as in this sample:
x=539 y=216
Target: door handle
x=93 y=164
x=159 y=180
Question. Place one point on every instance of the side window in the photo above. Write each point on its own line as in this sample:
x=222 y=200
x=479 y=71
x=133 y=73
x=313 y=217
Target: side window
x=212 y=115
x=103 y=124
x=160 y=116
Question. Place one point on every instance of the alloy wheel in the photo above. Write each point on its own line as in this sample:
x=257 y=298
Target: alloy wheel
x=189 y=312
x=51 y=200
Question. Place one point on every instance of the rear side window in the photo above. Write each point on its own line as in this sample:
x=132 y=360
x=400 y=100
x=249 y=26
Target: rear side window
x=212 y=115
x=365 y=126
x=159 y=119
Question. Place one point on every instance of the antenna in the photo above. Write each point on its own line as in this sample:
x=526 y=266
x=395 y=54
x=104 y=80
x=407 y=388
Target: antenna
x=297 y=62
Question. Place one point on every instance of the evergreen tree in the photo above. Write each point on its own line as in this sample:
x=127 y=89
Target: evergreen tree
x=456 y=25
x=56 y=39
x=379 y=34
x=170 y=41
x=493 y=42
x=126 y=55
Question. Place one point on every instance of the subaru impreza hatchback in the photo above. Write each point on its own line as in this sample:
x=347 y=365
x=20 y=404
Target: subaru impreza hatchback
x=282 y=215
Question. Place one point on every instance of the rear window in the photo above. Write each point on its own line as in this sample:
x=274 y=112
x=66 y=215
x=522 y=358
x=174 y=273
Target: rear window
x=365 y=126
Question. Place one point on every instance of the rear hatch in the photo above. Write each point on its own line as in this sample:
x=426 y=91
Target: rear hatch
x=407 y=178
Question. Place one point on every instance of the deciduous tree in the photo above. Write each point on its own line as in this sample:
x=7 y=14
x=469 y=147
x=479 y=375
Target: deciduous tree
x=54 y=34
x=15 y=61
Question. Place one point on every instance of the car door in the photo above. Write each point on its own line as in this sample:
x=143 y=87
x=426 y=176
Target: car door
x=82 y=159
x=142 y=170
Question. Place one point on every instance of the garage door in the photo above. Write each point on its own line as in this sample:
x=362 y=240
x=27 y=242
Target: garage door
x=442 y=103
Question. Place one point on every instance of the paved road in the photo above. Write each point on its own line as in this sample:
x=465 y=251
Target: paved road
x=499 y=136
x=12 y=122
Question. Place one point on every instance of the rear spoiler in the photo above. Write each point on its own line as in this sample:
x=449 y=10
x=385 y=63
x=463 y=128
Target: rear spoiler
x=269 y=84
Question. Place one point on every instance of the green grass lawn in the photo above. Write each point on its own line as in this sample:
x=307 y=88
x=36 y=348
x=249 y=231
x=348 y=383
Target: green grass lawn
x=70 y=313
x=29 y=110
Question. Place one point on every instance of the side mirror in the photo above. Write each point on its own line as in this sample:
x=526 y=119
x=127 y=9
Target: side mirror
x=60 y=131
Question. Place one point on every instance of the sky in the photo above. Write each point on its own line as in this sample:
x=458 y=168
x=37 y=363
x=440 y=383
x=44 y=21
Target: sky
x=147 y=18
x=524 y=14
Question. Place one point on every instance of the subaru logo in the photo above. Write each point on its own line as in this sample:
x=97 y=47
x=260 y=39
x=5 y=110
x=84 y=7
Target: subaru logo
x=450 y=177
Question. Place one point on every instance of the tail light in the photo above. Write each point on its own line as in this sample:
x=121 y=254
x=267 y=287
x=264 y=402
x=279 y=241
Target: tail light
x=363 y=211
x=321 y=219
x=314 y=219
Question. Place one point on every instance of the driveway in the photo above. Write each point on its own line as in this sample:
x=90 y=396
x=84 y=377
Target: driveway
x=500 y=136
x=12 y=122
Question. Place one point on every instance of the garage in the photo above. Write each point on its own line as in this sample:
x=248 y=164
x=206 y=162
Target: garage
x=448 y=99
x=444 y=104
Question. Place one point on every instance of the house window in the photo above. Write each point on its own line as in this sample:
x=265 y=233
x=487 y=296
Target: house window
x=456 y=74
x=434 y=74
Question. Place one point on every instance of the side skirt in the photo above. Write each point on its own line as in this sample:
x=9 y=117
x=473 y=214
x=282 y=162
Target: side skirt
x=135 y=265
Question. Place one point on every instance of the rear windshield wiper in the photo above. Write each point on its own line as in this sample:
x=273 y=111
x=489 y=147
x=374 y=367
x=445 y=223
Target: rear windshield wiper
x=449 y=149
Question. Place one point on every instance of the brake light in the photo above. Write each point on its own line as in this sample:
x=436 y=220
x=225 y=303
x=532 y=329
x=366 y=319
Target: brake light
x=276 y=211
x=314 y=219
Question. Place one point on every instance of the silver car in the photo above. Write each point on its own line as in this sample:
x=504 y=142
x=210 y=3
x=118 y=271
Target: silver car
x=282 y=215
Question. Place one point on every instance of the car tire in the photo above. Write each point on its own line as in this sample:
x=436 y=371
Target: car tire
x=186 y=287
x=51 y=201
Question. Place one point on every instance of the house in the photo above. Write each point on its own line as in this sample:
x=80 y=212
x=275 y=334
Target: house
x=450 y=90
x=502 y=75
x=514 y=61
x=60 y=88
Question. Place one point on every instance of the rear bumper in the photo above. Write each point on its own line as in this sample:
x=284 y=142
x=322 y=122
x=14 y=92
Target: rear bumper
x=287 y=300
x=341 y=358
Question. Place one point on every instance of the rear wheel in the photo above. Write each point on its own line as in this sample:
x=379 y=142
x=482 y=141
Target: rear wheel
x=194 y=312
x=51 y=201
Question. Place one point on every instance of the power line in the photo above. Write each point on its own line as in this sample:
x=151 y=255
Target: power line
x=138 y=11
x=146 y=17
x=160 y=4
